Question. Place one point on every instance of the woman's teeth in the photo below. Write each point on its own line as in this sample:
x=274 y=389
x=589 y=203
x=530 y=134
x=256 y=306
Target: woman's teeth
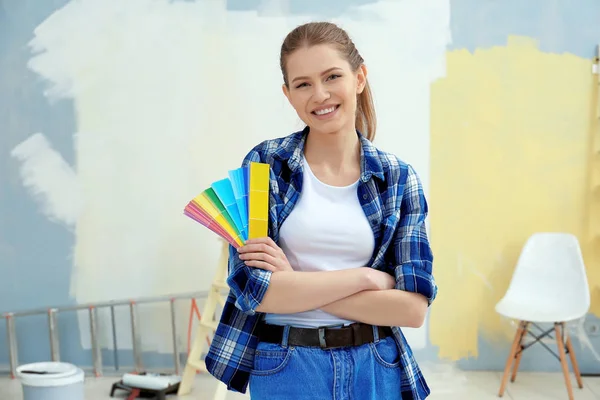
x=325 y=111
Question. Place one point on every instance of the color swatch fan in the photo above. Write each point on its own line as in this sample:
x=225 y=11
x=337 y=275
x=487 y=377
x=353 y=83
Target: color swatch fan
x=235 y=208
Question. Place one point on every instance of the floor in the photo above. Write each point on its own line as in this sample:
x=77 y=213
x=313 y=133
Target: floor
x=446 y=385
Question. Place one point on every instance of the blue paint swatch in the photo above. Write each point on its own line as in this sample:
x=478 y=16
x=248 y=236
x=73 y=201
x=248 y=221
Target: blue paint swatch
x=224 y=191
x=239 y=183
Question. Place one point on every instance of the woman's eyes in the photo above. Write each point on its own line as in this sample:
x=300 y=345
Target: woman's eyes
x=329 y=78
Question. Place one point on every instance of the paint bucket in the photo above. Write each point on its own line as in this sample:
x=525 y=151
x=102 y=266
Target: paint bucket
x=51 y=381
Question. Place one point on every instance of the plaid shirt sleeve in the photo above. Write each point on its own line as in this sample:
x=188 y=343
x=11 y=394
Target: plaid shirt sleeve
x=248 y=285
x=412 y=253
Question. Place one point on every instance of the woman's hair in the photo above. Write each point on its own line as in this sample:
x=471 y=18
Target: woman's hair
x=315 y=33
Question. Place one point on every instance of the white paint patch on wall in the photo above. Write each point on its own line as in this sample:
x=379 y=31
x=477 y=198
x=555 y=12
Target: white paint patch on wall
x=49 y=179
x=404 y=45
x=170 y=95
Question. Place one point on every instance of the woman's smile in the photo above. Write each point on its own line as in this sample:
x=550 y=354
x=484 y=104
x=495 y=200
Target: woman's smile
x=325 y=112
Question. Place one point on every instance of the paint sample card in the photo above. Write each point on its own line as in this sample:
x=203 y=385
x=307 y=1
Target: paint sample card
x=238 y=178
x=224 y=189
x=246 y=176
x=258 y=200
x=204 y=203
x=235 y=208
x=214 y=199
x=196 y=213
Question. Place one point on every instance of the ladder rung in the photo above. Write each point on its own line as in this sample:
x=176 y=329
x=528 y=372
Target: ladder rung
x=210 y=324
x=198 y=365
x=221 y=285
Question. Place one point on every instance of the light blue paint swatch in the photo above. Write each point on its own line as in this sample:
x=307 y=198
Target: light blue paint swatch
x=224 y=191
x=246 y=175
x=239 y=184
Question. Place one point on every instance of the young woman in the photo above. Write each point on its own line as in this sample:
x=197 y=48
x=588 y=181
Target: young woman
x=315 y=309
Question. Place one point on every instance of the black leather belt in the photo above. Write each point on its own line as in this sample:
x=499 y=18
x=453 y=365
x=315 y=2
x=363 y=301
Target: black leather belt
x=355 y=334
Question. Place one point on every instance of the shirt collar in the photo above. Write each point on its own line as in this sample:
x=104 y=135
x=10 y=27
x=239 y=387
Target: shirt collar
x=292 y=149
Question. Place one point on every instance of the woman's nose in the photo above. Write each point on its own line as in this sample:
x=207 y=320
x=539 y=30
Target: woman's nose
x=320 y=94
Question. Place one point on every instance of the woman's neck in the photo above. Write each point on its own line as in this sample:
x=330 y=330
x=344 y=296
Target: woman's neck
x=334 y=151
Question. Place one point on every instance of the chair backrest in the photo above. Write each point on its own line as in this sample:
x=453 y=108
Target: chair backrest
x=551 y=269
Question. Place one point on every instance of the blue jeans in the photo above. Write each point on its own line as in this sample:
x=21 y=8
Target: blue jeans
x=369 y=371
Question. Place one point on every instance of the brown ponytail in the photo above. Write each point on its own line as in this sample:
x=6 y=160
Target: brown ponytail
x=366 y=122
x=315 y=33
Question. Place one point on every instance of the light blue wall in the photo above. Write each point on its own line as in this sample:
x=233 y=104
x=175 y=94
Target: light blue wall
x=559 y=25
x=317 y=8
x=34 y=252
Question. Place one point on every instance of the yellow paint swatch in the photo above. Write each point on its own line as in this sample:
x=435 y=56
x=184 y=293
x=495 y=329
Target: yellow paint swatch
x=510 y=130
x=258 y=200
x=205 y=203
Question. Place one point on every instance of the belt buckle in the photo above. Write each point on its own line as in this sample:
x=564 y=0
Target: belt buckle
x=322 y=341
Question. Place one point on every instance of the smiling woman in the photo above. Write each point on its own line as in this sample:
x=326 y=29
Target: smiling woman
x=331 y=71
x=316 y=307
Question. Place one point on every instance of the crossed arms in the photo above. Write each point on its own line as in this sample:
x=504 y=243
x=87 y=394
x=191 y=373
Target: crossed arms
x=262 y=280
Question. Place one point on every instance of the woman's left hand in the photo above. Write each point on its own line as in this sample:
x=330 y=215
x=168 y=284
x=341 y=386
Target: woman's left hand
x=263 y=253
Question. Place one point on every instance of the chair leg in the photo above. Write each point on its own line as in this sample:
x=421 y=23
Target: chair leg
x=511 y=357
x=573 y=359
x=563 y=358
x=520 y=352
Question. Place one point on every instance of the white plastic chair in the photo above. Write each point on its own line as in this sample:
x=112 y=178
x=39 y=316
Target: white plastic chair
x=549 y=285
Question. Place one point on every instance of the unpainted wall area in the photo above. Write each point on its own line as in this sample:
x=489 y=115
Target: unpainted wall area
x=111 y=131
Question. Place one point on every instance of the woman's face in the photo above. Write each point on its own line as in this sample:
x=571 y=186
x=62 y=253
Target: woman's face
x=323 y=88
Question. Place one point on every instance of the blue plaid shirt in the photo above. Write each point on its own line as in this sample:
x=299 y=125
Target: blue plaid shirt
x=393 y=201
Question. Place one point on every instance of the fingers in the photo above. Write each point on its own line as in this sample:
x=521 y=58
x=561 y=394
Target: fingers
x=261 y=265
x=271 y=243
x=259 y=257
x=258 y=248
x=264 y=241
x=262 y=253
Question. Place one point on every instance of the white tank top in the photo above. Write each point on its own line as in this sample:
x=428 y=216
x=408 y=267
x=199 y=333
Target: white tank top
x=327 y=230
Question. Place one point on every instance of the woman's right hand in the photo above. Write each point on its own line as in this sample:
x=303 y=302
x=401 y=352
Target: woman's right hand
x=379 y=280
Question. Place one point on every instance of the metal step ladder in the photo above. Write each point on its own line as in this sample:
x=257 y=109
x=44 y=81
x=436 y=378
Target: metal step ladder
x=214 y=297
x=207 y=325
x=53 y=313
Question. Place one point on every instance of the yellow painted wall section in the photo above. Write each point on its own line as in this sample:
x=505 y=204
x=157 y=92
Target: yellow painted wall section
x=509 y=157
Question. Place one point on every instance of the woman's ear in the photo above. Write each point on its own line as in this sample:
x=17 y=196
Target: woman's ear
x=361 y=77
x=286 y=92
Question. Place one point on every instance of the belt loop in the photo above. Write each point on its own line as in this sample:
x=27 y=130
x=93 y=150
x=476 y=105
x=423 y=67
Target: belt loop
x=285 y=336
x=375 y=333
